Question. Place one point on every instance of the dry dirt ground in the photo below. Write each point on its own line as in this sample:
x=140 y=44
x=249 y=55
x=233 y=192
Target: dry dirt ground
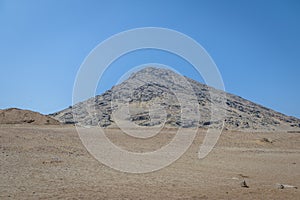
x=50 y=162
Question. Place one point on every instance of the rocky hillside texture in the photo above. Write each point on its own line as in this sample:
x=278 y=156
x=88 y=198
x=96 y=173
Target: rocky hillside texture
x=18 y=116
x=155 y=96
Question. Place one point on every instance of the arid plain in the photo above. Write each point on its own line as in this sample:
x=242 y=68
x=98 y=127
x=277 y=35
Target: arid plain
x=50 y=162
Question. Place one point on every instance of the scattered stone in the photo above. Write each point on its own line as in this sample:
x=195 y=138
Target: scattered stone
x=52 y=161
x=280 y=186
x=266 y=140
x=244 y=184
x=243 y=176
x=283 y=186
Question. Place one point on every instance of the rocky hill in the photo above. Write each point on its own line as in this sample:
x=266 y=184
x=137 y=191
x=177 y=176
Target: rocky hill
x=18 y=116
x=155 y=96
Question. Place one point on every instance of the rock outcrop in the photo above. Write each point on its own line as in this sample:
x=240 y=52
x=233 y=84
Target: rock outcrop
x=155 y=96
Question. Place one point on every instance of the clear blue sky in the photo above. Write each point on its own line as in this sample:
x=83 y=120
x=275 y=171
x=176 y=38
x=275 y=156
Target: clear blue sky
x=255 y=44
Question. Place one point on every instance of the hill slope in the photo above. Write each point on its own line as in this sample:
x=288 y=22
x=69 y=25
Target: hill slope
x=165 y=93
x=18 y=116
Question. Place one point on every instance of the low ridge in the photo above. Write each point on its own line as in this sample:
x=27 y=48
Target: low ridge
x=19 y=116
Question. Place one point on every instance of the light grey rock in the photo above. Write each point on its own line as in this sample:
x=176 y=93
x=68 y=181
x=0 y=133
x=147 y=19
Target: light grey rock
x=284 y=186
x=160 y=88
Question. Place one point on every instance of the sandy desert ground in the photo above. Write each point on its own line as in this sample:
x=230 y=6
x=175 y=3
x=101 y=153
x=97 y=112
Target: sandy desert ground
x=50 y=162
